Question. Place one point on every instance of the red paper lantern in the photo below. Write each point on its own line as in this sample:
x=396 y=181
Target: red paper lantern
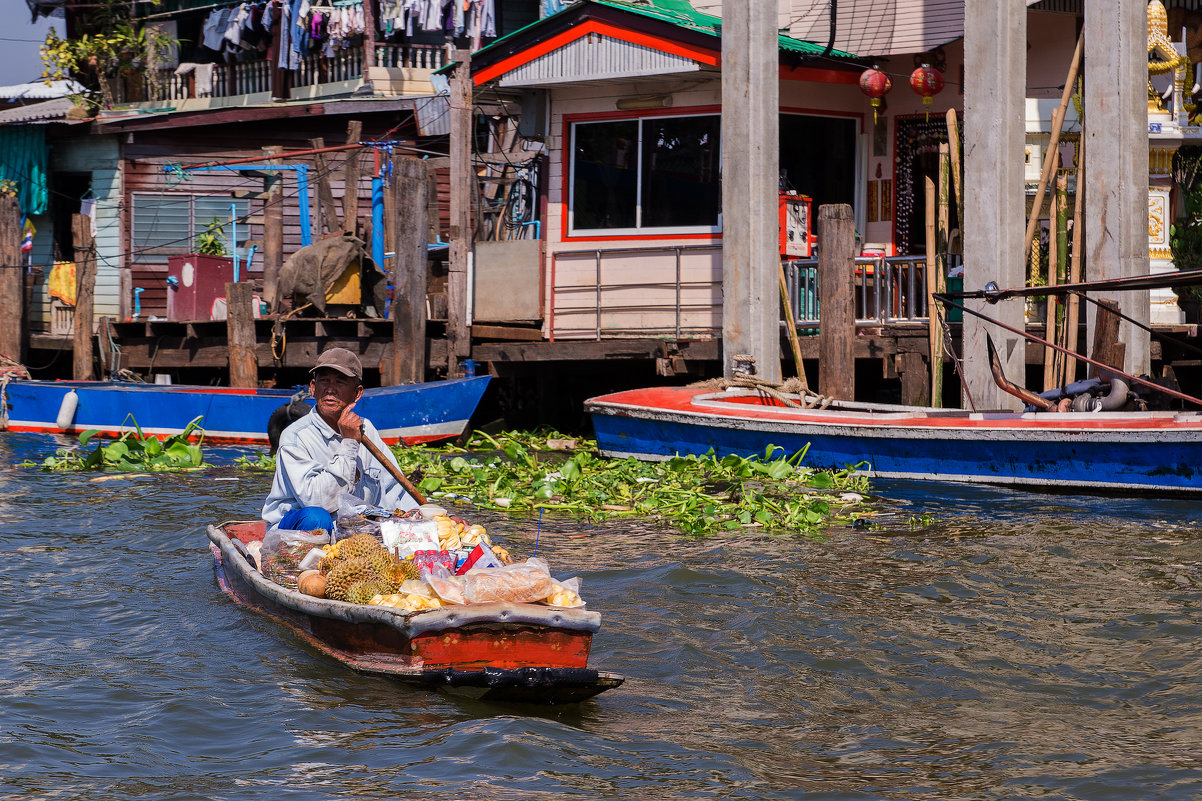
x=876 y=85
x=928 y=82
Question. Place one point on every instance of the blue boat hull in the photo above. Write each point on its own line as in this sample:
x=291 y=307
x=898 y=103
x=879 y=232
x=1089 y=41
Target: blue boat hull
x=1149 y=454
x=410 y=412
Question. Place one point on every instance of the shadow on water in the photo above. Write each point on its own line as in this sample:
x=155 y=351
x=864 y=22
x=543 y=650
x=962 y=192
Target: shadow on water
x=1010 y=645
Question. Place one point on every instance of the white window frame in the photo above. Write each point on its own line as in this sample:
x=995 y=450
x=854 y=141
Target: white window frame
x=638 y=230
x=138 y=256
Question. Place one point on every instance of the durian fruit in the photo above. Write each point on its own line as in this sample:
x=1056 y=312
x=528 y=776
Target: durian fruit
x=360 y=592
x=382 y=560
x=402 y=570
x=346 y=573
x=360 y=545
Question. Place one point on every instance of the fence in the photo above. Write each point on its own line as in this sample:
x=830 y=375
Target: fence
x=887 y=289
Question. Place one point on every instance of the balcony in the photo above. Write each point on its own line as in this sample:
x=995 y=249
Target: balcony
x=399 y=70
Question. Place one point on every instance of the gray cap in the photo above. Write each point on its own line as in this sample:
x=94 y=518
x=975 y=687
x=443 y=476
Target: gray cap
x=342 y=360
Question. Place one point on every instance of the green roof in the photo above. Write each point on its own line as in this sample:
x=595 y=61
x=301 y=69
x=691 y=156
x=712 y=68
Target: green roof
x=682 y=14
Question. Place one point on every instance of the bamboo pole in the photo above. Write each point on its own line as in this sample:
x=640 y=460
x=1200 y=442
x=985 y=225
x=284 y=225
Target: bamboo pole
x=1049 y=331
x=953 y=140
x=1049 y=161
x=1073 y=311
x=1061 y=272
x=935 y=333
x=791 y=328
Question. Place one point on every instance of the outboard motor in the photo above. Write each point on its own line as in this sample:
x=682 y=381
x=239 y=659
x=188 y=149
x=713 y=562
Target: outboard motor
x=284 y=416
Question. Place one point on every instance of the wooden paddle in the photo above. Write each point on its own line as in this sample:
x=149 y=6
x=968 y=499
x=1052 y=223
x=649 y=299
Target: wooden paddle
x=375 y=451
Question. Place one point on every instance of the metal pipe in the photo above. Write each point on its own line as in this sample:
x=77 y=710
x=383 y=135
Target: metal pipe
x=999 y=377
x=598 y=254
x=677 y=293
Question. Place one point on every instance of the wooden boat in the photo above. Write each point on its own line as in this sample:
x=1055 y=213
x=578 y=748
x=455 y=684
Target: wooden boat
x=1123 y=452
x=411 y=412
x=1074 y=441
x=500 y=651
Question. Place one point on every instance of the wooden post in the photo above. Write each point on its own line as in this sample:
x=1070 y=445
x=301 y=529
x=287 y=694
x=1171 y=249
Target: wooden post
x=837 y=304
x=85 y=282
x=12 y=280
x=390 y=218
x=1073 y=315
x=273 y=232
x=240 y=328
x=463 y=187
x=369 y=49
x=279 y=77
x=327 y=211
x=1107 y=348
x=409 y=278
x=934 y=331
x=350 y=177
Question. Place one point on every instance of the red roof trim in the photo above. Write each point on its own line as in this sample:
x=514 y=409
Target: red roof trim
x=705 y=55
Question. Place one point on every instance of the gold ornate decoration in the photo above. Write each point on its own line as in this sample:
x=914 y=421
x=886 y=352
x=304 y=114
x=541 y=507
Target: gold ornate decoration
x=1162 y=54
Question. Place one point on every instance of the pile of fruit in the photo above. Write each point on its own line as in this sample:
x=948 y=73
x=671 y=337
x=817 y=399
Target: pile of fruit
x=361 y=570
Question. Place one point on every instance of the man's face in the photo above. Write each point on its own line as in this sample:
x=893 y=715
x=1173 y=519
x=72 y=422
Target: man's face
x=333 y=392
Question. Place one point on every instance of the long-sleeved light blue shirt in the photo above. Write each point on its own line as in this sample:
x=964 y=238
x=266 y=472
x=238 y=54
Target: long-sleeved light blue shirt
x=315 y=463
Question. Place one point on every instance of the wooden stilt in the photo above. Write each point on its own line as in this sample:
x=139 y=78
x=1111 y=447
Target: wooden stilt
x=240 y=329
x=837 y=313
x=350 y=179
x=12 y=291
x=85 y=283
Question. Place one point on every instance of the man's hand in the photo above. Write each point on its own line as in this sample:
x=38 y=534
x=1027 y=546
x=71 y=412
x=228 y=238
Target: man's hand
x=350 y=425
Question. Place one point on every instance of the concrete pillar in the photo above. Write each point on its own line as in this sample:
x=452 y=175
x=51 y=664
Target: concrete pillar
x=994 y=195
x=750 y=181
x=1116 y=162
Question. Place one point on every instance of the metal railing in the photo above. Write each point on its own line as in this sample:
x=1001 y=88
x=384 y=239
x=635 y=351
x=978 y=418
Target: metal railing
x=598 y=290
x=888 y=289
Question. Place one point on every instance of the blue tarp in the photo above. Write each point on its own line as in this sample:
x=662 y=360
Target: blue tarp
x=23 y=157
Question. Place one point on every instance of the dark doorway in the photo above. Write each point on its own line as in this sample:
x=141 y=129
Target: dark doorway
x=69 y=189
x=818 y=157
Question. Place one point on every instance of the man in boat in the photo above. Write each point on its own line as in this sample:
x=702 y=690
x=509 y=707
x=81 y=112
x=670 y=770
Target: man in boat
x=320 y=456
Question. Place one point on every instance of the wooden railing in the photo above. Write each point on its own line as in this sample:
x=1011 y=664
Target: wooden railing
x=344 y=65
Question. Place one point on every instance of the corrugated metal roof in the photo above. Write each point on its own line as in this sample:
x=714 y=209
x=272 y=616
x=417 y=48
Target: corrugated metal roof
x=605 y=59
x=675 y=12
x=56 y=109
x=40 y=90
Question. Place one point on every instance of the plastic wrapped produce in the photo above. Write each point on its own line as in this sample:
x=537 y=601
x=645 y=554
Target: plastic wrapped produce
x=527 y=582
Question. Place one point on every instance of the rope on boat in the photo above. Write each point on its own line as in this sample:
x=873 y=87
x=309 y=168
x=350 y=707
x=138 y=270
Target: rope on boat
x=791 y=392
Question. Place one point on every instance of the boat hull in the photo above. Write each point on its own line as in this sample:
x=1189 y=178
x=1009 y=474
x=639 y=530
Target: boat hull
x=411 y=413
x=514 y=652
x=1128 y=452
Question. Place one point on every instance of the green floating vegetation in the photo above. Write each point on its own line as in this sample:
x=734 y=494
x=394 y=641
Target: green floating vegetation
x=524 y=472
x=698 y=494
x=132 y=451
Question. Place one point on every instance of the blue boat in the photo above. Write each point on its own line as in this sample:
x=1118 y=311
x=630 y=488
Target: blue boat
x=409 y=413
x=1121 y=452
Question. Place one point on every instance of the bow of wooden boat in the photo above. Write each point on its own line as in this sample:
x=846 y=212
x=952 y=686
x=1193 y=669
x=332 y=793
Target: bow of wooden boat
x=512 y=651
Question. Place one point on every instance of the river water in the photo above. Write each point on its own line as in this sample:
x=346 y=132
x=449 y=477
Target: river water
x=1009 y=645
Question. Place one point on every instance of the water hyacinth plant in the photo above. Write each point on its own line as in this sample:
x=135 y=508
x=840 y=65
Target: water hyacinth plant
x=698 y=494
x=524 y=472
x=133 y=450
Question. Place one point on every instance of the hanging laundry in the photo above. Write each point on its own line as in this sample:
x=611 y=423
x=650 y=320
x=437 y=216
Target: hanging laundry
x=215 y=26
